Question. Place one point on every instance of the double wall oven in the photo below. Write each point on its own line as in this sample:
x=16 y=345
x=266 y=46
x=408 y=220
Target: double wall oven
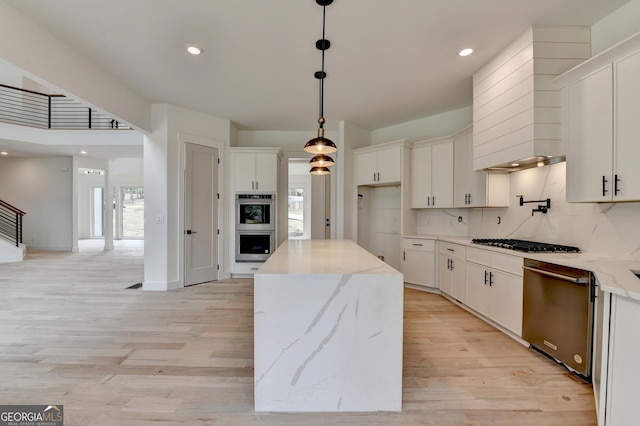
x=255 y=227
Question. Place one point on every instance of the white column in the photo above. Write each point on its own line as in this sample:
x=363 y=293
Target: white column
x=108 y=209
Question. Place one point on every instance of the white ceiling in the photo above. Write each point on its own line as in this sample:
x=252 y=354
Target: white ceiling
x=389 y=62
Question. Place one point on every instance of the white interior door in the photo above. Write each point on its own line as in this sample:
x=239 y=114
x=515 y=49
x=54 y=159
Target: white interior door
x=201 y=214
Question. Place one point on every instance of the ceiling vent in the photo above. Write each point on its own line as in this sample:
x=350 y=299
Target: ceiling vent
x=516 y=106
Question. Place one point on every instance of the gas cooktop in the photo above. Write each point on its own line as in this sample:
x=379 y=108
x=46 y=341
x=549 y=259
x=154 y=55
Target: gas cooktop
x=526 y=246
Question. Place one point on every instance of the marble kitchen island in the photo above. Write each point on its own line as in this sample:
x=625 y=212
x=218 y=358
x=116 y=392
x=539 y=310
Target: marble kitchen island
x=328 y=330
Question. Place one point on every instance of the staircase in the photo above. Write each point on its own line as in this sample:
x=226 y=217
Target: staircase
x=11 y=247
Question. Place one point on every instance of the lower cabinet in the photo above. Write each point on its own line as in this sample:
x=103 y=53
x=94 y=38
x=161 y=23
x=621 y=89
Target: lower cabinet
x=618 y=397
x=494 y=287
x=418 y=262
x=246 y=268
x=452 y=269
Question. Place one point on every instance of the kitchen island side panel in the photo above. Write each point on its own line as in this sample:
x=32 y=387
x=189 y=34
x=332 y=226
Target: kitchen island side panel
x=328 y=343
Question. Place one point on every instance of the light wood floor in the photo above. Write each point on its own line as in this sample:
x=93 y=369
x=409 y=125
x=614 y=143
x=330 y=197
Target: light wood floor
x=71 y=334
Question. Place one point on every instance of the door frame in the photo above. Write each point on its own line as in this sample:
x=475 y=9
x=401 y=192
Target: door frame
x=223 y=238
x=92 y=211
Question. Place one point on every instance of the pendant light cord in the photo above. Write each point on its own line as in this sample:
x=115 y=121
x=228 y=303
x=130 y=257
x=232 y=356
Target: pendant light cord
x=324 y=12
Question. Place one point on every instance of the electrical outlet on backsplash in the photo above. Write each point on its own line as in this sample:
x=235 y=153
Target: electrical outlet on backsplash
x=443 y=222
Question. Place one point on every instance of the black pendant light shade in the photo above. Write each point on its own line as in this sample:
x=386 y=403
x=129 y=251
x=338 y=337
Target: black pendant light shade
x=322 y=161
x=321 y=146
x=320 y=171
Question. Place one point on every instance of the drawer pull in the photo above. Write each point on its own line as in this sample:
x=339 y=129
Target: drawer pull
x=417 y=244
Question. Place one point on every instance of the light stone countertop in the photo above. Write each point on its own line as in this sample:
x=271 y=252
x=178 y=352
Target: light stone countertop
x=323 y=257
x=614 y=275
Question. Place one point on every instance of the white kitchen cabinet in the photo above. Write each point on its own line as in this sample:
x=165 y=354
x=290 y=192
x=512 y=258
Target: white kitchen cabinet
x=601 y=126
x=620 y=355
x=494 y=287
x=254 y=171
x=476 y=189
x=419 y=262
x=432 y=174
x=379 y=164
x=452 y=269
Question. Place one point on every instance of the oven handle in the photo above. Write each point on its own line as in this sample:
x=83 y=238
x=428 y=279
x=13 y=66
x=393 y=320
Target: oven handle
x=575 y=280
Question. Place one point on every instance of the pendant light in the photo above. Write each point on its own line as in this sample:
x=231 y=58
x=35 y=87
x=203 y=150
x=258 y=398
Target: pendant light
x=322 y=161
x=321 y=145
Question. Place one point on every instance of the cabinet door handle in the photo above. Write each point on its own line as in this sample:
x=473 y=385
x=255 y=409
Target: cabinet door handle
x=490 y=279
x=378 y=176
x=428 y=200
x=433 y=200
x=452 y=264
x=469 y=198
x=604 y=186
x=374 y=176
x=404 y=255
x=615 y=185
x=485 y=277
x=257 y=185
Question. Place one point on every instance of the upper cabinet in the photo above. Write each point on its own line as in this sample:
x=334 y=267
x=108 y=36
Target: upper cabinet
x=476 y=189
x=601 y=126
x=516 y=107
x=254 y=170
x=432 y=174
x=379 y=165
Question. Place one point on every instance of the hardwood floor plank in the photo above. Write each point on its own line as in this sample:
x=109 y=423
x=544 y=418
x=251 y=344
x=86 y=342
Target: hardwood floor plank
x=72 y=334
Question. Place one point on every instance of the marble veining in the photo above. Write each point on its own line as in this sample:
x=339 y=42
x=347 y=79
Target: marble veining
x=608 y=229
x=327 y=341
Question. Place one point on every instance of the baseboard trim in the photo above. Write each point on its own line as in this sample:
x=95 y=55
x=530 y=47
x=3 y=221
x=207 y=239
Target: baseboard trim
x=160 y=285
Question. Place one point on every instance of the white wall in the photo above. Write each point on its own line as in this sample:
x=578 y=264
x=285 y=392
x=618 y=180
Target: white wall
x=164 y=186
x=46 y=59
x=42 y=187
x=619 y=25
x=344 y=207
x=434 y=126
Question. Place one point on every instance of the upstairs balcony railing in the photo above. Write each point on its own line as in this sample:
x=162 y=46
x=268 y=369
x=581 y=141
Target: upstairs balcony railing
x=34 y=109
x=11 y=223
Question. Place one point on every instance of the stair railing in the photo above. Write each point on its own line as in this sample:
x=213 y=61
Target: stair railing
x=11 y=223
x=29 y=108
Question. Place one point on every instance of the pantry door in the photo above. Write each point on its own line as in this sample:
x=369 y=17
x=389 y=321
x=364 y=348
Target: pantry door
x=201 y=214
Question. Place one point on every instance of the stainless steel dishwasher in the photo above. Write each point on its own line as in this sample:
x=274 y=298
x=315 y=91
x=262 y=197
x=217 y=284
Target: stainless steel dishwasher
x=557 y=315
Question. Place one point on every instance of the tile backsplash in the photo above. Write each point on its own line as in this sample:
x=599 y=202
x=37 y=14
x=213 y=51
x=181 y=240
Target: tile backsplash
x=604 y=228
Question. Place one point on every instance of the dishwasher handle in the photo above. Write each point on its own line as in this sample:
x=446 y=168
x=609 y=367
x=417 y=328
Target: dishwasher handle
x=574 y=280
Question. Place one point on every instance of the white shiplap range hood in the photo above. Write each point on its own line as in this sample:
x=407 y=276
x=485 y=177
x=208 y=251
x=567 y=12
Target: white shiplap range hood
x=516 y=106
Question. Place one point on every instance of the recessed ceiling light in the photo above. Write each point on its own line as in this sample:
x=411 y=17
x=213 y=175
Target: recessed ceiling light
x=465 y=52
x=194 y=50
x=83 y=152
x=4 y=153
x=515 y=164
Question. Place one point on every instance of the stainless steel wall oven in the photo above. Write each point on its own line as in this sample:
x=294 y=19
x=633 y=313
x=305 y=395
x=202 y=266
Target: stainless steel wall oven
x=255 y=227
x=254 y=246
x=255 y=212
